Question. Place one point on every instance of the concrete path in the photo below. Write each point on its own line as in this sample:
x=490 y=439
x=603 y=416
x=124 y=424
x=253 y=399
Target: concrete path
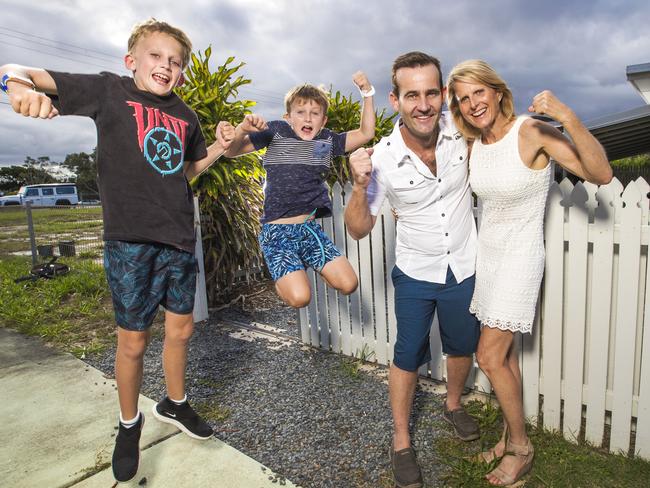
x=58 y=424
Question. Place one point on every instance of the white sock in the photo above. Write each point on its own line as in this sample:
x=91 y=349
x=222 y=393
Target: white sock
x=179 y=402
x=129 y=423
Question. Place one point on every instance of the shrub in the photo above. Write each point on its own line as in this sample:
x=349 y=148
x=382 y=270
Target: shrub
x=230 y=195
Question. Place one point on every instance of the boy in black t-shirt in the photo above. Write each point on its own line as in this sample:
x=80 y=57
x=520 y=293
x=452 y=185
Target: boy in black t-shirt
x=300 y=152
x=149 y=145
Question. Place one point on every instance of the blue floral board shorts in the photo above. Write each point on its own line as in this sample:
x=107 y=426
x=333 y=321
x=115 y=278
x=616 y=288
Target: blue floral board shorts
x=292 y=247
x=143 y=276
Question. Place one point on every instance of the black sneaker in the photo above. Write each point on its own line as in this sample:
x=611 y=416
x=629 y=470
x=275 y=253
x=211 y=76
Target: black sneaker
x=464 y=424
x=126 y=455
x=184 y=417
x=404 y=465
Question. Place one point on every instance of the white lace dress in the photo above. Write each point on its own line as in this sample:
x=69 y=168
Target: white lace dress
x=510 y=259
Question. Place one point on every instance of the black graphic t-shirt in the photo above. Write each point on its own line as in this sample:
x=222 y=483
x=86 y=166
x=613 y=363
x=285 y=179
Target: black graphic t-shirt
x=142 y=142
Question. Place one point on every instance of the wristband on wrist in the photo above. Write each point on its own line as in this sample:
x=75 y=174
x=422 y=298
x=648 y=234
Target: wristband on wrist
x=11 y=76
x=367 y=93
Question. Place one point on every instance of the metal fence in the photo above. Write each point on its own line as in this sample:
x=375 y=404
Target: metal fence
x=44 y=232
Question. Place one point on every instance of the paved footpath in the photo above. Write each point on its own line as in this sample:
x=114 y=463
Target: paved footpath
x=57 y=425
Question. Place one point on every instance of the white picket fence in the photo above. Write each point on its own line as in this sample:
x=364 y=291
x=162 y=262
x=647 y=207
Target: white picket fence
x=585 y=359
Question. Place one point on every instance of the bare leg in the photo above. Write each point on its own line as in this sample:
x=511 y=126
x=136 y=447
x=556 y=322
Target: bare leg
x=131 y=346
x=339 y=274
x=178 y=330
x=401 y=390
x=294 y=289
x=500 y=447
x=458 y=368
x=497 y=359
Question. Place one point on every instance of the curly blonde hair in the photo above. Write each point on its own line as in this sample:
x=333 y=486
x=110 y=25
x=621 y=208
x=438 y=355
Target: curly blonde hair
x=476 y=71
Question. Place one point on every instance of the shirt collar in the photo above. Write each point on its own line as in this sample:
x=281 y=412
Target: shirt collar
x=448 y=129
x=447 y=132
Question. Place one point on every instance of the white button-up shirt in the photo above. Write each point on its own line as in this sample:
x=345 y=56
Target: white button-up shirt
x=436 y=226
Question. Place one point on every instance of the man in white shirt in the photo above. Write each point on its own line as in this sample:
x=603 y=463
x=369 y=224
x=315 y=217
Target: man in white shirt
x=421 y=167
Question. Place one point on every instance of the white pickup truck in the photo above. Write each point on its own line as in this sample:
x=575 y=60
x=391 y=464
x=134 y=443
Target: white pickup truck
x=44 y=195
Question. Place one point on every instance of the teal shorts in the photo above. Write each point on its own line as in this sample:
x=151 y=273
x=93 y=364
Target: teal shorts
x=143 y=276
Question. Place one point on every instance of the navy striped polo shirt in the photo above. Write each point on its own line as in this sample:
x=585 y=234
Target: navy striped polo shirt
x=296 y=170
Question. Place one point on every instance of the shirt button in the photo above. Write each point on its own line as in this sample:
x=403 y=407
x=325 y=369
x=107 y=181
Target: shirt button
x=439 y=180
x=448 y=252
x=411 y=182
x=388 y=143
x=446 y=234
x=461 y=158
x=443 y=215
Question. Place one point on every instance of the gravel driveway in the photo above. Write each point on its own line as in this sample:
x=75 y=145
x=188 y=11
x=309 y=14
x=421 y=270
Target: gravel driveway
x=307 y=414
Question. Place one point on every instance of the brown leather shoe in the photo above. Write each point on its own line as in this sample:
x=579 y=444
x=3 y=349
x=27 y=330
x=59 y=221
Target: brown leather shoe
x=406 y=471
x=464 y=424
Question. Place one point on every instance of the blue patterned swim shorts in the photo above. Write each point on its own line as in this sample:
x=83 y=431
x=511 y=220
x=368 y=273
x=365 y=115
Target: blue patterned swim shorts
x=292 y=247
x=143 y=276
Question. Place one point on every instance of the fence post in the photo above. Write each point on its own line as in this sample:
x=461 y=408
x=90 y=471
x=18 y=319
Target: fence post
x=30 y=228
x=201 y=296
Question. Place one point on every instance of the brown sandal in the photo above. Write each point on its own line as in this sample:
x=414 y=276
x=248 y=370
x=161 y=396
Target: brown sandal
x=525 y=451
x=491 y=455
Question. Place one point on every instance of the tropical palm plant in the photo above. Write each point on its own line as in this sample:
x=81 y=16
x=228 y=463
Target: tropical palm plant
x=230 y=194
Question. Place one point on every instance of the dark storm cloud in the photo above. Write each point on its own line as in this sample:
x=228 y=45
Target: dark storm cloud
x=577 y=49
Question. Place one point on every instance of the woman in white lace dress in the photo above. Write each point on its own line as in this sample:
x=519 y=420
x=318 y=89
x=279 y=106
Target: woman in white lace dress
x=510 y=173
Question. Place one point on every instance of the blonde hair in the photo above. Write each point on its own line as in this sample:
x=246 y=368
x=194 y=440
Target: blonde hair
x=476 y=71
x=151 y=26
x=307 y=92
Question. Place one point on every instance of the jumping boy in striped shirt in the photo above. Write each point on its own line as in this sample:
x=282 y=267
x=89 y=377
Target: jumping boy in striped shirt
x=300 y=152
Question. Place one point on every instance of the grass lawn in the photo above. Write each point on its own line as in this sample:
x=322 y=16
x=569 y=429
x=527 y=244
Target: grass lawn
x=558 y=463
x=71 y=312
x=50 y=225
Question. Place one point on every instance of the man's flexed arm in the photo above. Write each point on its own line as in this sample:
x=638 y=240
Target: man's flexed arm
x=358 y=219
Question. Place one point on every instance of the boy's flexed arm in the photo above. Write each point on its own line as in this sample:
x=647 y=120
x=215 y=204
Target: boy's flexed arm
x=241 y=143
x=21 y=82
x=366 y=131
x=225 y=133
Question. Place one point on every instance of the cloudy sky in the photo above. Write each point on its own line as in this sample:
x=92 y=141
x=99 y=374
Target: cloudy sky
x=579 y=49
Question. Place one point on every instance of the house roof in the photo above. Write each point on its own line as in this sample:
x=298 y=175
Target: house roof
x=623 y=134
x=639 y=76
